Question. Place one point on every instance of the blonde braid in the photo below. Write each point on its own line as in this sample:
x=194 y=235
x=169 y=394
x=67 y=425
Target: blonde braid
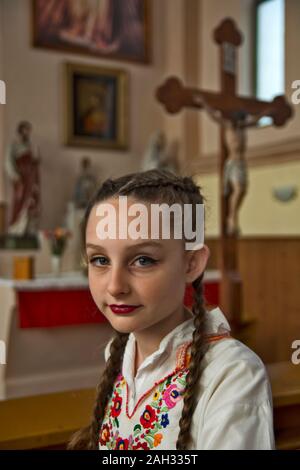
x=88 y=438
x=198 y=350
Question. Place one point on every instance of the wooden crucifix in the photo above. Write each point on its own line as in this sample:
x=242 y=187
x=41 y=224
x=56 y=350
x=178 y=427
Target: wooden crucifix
x=234 y=114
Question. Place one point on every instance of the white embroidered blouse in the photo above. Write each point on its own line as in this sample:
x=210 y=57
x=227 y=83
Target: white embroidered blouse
x=234 y=403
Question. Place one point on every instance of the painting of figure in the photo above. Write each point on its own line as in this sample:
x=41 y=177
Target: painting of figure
x=108 y=28
x=97 y=101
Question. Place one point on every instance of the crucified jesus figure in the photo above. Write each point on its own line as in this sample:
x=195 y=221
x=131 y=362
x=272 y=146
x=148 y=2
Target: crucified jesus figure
x=235 y=174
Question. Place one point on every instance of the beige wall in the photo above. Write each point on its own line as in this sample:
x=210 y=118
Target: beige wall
x=2 y=108
x=193 y=56
x=260 y=213
x=182 y=46
x=183 y=26
x=34 y=80
x=240 y=10
x=174 y=61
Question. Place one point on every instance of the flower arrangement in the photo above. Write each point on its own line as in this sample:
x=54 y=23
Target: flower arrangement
x=57 y=239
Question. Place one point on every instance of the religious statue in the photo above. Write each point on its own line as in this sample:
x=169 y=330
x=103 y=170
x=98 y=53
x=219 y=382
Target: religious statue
x=235 y=173
x=171 y=161
x=159 y=156
x=22 y=167
x=85 y=186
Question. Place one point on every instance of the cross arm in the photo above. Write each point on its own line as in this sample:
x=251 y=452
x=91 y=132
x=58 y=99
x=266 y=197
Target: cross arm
x=174 y=97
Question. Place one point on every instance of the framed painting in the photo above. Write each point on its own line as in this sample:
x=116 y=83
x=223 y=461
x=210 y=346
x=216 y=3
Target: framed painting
x=115 y=29
x=96 y=107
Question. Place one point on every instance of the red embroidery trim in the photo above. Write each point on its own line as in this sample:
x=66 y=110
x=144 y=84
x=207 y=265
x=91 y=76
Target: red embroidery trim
x=181 y=363
x=212 y=338
x=145 y=394
x=181 y=355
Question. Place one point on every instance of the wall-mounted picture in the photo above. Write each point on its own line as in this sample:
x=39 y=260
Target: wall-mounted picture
x=116 y=29
x=96 y=107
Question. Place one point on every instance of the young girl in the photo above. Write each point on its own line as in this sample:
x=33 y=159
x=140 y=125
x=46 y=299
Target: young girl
x=174 y=378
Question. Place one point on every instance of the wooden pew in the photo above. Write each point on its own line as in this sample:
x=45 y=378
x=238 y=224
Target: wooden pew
x=285 y=381
x=48 y=421
x=44 y=421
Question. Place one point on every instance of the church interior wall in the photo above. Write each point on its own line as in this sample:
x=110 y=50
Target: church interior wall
x=261 y=214
x=42 y=80
x=35 y=92
x=240 y=10
x=1 y=111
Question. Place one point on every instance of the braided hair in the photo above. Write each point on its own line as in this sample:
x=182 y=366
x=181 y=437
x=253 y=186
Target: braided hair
x=160 y=186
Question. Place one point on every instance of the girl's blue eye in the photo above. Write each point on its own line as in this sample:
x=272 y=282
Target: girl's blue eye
x=152 y=261
x=98 y=261
x=94 y=261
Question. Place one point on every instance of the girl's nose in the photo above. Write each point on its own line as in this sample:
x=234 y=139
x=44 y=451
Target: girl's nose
x=118 y=282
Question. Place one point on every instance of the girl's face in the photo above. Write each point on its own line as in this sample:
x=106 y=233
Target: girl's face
x=151 y=274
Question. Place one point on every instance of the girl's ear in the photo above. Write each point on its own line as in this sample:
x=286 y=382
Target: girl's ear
x=196 y=261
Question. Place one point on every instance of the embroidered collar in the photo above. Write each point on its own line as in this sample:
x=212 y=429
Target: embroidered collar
x=181 y=367
x=165 y=357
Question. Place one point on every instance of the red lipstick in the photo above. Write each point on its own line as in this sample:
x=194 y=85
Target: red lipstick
x=123 y=309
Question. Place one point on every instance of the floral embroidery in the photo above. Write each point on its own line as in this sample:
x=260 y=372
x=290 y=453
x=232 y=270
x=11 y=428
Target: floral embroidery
x=153 y=420
x=104 y=434
x=148 y=417
x=140 y=445
x=157 y=439
x=188 y=358
x=117 y=404
x=164 y=421
x=172 y=395
x=122 y=444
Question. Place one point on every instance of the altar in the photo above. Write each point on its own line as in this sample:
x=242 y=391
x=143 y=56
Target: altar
x=49 y=347
x=55 y=335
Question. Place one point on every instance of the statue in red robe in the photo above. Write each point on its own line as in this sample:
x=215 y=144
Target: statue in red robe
x=22 y=167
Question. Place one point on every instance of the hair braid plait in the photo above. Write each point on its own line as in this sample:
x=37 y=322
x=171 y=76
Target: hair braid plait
x=105 y=388
x=198 y=350
x=89 y=437
x=162 y=179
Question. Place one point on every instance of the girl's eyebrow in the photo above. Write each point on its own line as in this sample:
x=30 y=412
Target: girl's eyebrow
x=151 y=244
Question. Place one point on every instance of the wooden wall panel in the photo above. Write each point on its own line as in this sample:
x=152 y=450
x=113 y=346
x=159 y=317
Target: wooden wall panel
x=270 y=269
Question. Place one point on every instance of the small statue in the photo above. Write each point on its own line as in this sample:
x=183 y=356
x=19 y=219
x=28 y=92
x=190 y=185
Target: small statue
x=171 y=161
x=85 y=186
x=235 y=174
x=158 y=156
x=22 y=167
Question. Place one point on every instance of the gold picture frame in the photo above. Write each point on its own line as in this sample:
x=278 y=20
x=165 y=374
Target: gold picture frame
x=97 y=113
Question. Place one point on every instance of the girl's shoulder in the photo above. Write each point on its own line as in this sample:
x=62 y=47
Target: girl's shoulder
x=225 y=354
x=235 y=395
x=232 y=369
x=229 y=350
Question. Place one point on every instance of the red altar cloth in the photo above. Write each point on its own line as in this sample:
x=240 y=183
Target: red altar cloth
x=54 y=307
